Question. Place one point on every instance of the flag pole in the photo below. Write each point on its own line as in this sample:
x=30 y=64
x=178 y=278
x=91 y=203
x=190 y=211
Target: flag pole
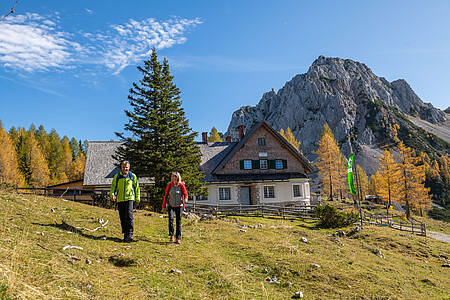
x=352 y=166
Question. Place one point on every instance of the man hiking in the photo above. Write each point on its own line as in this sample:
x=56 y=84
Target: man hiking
x=125 y=190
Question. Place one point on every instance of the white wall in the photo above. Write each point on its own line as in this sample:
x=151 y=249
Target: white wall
x=283 y=192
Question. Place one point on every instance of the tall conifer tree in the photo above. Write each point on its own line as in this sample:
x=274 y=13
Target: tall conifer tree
x=161 y=139
x=289 y=136
x=412 y=191
x=9 y=171
x=387 y=179
x=330 y=164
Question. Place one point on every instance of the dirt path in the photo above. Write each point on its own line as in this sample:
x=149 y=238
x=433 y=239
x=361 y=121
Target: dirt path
x=439 y=236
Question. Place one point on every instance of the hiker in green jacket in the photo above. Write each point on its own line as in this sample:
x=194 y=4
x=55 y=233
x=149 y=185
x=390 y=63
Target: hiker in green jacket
x=125 y=190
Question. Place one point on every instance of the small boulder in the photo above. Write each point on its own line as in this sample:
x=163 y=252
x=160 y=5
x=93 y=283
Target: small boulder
x=315 y=266
x=297 y=295
x=354 y=231
x=304 y=240
x=175 y=271
x=378 y=253
x=274 y=279
x=339 y=233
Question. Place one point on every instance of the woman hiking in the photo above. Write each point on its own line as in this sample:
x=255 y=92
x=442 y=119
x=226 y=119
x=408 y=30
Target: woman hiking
x=175 y=197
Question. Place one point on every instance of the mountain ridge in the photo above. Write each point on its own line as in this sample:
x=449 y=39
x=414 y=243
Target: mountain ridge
x=354 y=102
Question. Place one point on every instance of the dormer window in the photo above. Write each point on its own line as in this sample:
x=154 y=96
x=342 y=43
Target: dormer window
x=261 y=141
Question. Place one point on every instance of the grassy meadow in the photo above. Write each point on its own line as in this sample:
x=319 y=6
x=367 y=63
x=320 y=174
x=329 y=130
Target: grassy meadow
x=218 y=259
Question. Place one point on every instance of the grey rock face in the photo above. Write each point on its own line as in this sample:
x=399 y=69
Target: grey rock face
x=344 y=93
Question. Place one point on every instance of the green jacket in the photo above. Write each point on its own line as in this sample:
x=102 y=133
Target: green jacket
x=127 y=187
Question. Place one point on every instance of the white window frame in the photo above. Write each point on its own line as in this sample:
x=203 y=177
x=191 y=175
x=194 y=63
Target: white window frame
x=301 y=190
x=264 y=192
x=219 y=194
x=261 y=164
x=276 y=164
x=249 y=161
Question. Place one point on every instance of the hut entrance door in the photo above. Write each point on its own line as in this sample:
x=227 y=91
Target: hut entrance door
x=245 y=195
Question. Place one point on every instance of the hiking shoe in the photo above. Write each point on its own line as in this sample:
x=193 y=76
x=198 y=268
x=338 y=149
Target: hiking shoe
x=178 y=241
x=172 y=238
x=128 y=240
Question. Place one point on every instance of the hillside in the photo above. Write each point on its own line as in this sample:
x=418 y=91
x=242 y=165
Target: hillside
x=215 y=261
x=355 y=102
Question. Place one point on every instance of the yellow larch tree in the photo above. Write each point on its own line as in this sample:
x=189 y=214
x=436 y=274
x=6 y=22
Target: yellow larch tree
x=435 y=171
x=289 y=136
x=9 y=170
x=40 y=174
x=373 y=185
x=67 y=159
x=412 y=191
x=363 y=181
x=329 y=163
x=387 y=179
x=78 y=166
x=214 y=136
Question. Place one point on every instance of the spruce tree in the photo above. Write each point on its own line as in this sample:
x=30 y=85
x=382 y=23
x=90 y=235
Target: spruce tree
x=161 y=140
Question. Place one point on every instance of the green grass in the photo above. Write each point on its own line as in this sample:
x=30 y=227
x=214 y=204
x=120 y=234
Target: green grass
x=217 y=261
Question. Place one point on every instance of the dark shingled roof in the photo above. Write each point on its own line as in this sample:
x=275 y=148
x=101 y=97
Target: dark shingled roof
x=100 y=166
x=212 y=154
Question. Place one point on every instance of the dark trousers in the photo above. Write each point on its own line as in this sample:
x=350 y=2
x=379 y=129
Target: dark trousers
x=177 y=212
x=126 y=217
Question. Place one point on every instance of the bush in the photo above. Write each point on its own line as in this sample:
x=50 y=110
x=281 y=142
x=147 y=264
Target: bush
x=330 y=217
x=5 y=186
x=440 y=214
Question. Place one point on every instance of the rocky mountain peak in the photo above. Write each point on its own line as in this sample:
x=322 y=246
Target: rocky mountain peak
x=344 y=93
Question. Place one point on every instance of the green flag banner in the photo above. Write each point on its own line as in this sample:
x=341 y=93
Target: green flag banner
x=351 y=183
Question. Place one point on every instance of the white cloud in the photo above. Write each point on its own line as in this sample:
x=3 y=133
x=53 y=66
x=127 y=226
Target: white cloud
x=128 y=43
x=89 y=11
x=32 y=42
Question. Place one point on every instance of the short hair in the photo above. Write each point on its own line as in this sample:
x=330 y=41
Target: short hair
x=125 y=162
x=177 y=175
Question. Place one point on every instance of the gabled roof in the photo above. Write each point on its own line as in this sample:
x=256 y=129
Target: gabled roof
x=212 y=153
x=100 y=165
x=308 y=167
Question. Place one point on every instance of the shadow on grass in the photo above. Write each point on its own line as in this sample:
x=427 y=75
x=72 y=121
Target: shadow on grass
x=122 y=261
x=66 y=227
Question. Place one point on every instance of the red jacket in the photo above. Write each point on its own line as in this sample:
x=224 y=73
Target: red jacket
x=183 y=190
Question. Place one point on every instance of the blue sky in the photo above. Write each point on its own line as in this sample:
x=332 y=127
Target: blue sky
x=69 y=65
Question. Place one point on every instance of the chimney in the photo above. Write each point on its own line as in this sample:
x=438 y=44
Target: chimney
x=241 y=131
x=204 y=137
x=228 y=139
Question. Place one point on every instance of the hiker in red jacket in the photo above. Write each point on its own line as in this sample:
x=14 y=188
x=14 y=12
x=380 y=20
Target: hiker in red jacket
x=175 y=197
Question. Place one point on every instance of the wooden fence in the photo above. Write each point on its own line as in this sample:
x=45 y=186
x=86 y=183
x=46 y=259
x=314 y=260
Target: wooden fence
x=78 y=195
x=284 y=210
x=383 y=220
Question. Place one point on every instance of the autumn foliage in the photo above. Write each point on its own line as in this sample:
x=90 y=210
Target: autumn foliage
x=35 y=158
x=331 y=165
x=402 y=179
x=289 y=136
